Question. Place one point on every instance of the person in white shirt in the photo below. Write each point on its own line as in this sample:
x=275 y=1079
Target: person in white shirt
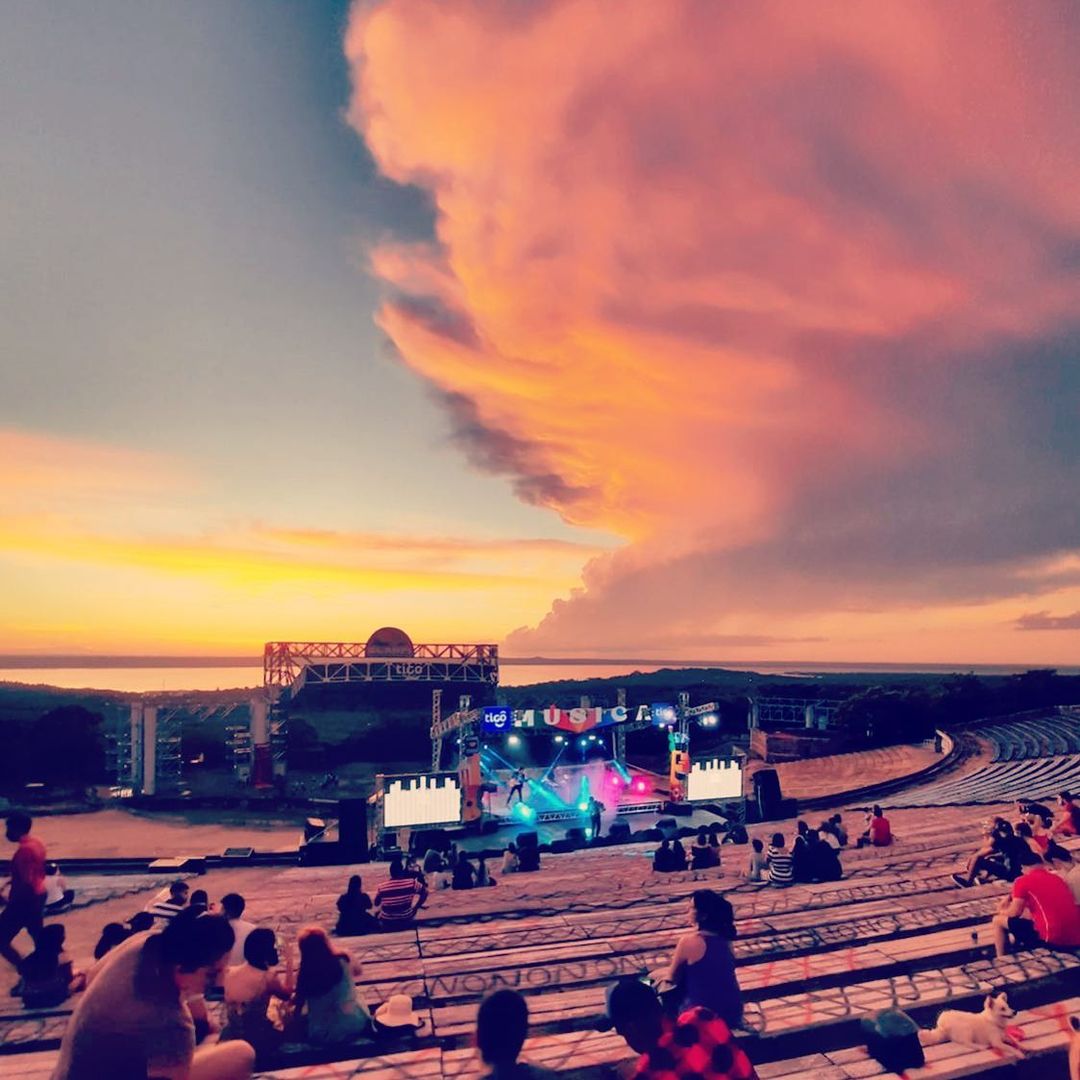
x=510 y=860
x=232 y=907
x=57 y=894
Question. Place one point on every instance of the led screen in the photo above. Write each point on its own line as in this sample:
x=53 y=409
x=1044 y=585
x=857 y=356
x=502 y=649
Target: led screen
x=421 y=800
x=718 y=778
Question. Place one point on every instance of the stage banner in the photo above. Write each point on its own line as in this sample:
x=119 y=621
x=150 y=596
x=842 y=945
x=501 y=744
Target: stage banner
x=572 y=720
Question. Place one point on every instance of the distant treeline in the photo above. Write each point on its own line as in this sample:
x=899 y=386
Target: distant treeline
x=58 y=737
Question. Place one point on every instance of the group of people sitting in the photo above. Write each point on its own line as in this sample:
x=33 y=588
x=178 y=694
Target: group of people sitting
x=704 y=853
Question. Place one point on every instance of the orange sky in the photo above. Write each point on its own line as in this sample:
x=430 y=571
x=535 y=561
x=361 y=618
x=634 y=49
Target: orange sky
x=738 y=331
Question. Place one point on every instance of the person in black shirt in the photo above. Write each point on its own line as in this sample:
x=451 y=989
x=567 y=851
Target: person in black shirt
x=1004 y=857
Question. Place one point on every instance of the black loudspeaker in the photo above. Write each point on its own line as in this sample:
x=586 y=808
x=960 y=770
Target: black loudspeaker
x=668 y=828
x=767 y=794
x=559 y=847
x=619 y=833
x=421 y=841
x=353 y=828
x=575 y=836
x=526 y=840
x=679 y=809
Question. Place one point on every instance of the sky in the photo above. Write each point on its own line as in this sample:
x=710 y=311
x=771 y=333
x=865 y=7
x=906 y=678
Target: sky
x=711 y=331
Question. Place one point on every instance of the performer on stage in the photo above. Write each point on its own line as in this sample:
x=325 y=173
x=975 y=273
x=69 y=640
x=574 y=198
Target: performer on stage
x=517 y=783
x=596 y=808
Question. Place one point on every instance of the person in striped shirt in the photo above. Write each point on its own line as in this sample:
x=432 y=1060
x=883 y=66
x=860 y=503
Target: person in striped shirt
x=781 y=863
x=398 y=898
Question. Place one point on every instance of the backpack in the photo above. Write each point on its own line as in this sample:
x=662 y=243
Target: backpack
x=892 y=1039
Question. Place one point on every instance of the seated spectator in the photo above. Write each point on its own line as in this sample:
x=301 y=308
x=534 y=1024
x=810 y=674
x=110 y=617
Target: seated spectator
x=678 y=855
x=1043 y=842
x=828 y=835
x=822 y=861
x=510 y=861
x=714 y=847
x=47 y=975
x=781 y=864
x=232 y=907
x=698 y=1043
x=1071 y=876
x=1027 y=808
x=325 y=992
x=354 y=911
x=464 y=873
x=703 y=967
x=483 y=878
x=759 y=863
x=398 y=898
x=175 y=901
x=199 y=902
x=663 y=862
x=800 y=856
x=57 y=894
x=433 y=862
x=140 y=922
x=878 y=831
x=1003 y=855
x=111 y=936
x=1068 y=823
x=700 y=852
x=501 y=1025
x=1039 y=910
x=133 y=1019
x=249 y=988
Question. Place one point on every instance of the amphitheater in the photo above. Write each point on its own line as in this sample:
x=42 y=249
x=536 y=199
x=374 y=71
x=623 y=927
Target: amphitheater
x=813 y=959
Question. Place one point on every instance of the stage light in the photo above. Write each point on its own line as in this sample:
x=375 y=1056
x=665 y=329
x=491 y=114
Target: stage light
x=513 y=740
x=583 y=806
x=583 y=741
x=592 y=738
x=559 y=739
x=641 y=785
x=709 y=720
x=526 y=813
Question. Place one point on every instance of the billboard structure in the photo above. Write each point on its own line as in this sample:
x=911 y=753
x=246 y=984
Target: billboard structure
x=715 y=780
x=419 y=800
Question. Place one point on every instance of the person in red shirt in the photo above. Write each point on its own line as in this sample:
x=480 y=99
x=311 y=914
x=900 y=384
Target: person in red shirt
x=878 y=831
x=697 y=1044
x=1040 y=910
x=25 y=905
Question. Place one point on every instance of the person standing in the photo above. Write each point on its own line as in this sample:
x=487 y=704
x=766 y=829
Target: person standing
x=25 y=907
x=517 y=785
x=596 y=810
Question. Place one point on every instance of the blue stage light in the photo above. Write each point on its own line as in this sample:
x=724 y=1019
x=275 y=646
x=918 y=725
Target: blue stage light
x=513 y=740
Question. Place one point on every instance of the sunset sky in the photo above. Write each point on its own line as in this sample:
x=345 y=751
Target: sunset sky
x=706 y=331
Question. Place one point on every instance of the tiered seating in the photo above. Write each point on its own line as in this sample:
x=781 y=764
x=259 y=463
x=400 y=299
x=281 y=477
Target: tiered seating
x=813 y=958
x=1035 y=737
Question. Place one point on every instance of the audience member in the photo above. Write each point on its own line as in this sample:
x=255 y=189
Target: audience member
x=25 y=905
x=1026 y=808
x=47 y=975
x=398 y=898
x=1068 y=823
x=698 y=1043
x=1043 y=842
x=1039 y=909
x=1003 y=855
x=714 y=845
x=483 y=878
x=464 y=874
x=878 y=831
x=501 y=1025
x=354 y=911
x=510 y=861
x=781 y=865
x=838 y=829
x=140 y=922
x=700 y=851
x=663 y=862
x=58 y=896
x=800 y=855
x=176 y=900
x=325 y=991
x=111 y=936
x=759 y=862
x=133 y=1020
x=822 y=860
x=249 y=988
x=199 y=902
x=703 y=967
x=433 y=862
x=232 y=907
x=678 y=855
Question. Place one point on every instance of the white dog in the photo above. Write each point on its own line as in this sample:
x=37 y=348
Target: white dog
x=985 y=1029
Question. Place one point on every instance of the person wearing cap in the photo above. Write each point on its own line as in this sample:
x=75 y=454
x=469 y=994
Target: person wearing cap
x=396 y=1016
x=696 y=1044
x=501 y=1025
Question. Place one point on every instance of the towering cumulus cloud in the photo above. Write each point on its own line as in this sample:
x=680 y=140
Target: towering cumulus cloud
x=784 y=295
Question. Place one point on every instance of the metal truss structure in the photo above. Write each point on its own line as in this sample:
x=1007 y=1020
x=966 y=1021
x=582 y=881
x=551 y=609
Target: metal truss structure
x=295 y=664
x=795 y=712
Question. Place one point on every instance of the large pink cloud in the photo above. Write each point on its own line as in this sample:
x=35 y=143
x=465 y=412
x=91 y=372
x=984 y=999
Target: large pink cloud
x=759 y=288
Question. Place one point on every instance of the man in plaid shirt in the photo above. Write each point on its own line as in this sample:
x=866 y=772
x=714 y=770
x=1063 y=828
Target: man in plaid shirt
x=697 y=1044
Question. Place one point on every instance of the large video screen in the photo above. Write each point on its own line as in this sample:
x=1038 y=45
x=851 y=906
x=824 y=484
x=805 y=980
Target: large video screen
x=423 y=799
x=714 y=779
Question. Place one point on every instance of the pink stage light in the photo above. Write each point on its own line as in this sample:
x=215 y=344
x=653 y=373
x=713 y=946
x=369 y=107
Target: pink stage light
x=641 y=785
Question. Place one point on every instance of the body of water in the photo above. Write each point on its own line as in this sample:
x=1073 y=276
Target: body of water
x=179 y=675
